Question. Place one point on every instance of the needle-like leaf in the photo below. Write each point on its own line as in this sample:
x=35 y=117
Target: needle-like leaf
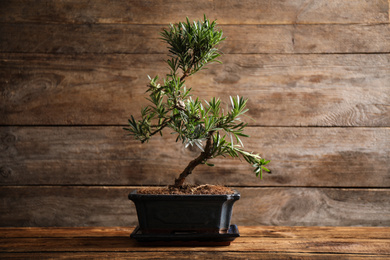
x=191 y=47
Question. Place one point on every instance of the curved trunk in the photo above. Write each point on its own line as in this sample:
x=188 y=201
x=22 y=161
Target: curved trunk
x=202 y=158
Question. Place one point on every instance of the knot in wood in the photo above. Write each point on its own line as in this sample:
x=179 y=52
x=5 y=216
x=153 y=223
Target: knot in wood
x=5 y=172
x=8 y=140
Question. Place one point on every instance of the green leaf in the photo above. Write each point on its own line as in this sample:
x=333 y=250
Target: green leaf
x=191 y=47
x=267 y=170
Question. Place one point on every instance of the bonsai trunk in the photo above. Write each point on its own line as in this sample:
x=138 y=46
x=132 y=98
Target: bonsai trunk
x=202 y=158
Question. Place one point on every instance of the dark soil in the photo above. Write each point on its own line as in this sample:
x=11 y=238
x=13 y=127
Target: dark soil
x=188 y=189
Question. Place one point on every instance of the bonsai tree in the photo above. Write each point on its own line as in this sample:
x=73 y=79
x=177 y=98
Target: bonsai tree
x=204 y=124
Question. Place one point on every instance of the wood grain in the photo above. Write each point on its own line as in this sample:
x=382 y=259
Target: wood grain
x=312 y=207
x=255 y=242
x=62 y=232
x=317 y=74
x=164 y=12
x=106 y=156
x=241 y=245
x=90 y=206
x=144 y=39
x=247 y=231
x=191 y=255
x=66 y=206
x=286 y=242
x=284 y=90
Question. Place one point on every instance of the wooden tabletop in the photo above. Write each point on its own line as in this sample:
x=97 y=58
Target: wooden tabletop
x=265 y=242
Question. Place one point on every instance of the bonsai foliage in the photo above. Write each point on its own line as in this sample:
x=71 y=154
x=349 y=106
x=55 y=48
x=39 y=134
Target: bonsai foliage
x=205 y=124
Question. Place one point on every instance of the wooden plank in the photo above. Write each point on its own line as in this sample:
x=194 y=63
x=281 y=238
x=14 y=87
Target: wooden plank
x=144 y=39
x=313 y=207
x=276 y=242
x=109 y=206
x=57 y=232
x=287 y=232
x=66 y=206
x=189 y=255
x=314 y=232
x=125 y=244
x=164 y=12
x=242 y=244
x=106 y=156
x=284 y=90
x=340 y=39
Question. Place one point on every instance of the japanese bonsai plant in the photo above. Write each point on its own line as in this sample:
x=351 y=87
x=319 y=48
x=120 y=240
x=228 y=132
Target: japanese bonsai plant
x=205 y=124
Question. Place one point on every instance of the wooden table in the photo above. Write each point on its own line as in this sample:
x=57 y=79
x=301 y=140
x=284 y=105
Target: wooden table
x=263 y=242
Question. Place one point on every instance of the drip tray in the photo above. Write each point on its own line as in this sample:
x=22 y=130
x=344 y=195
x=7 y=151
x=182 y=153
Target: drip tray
x=186 y=239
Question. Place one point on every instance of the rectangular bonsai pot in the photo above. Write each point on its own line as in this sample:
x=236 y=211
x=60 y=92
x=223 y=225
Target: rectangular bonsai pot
x=172 y=214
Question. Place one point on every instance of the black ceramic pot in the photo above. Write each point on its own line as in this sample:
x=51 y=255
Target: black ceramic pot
x=175 y=214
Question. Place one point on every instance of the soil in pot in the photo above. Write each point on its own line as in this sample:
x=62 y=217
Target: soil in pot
x=205 y=189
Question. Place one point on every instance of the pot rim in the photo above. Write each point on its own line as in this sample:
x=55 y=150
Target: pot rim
x=135 y=196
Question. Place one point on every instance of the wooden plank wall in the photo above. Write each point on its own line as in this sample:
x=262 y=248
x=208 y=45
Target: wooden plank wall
x=317 y=74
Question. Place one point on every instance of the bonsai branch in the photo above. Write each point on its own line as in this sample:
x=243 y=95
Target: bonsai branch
x=160 y=128
x=202 y=158
x=192 y=46
x=188 y=71
x=185 y=74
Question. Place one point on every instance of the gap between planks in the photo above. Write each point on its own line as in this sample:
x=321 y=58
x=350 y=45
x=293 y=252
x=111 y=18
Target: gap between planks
x=233 y=187
x=225 y=54
x=248 y=126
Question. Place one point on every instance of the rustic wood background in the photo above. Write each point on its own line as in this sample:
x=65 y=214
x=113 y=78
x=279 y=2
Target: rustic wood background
x=317 y=74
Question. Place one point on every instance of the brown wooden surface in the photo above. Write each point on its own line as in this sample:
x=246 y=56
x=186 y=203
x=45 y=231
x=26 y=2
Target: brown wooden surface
x=255 y=242
x=284 y=90
x=89 y=206
x=144 y=39
x=106 y=156
x=316 y=72
x=192 y=255
x=170 y=11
